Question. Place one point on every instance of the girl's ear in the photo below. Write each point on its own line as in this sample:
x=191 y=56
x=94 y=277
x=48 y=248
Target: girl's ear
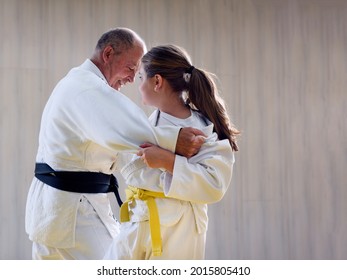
x=158 y=82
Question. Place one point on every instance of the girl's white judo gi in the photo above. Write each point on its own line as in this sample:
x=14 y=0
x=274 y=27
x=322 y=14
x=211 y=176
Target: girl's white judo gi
x=196 y=182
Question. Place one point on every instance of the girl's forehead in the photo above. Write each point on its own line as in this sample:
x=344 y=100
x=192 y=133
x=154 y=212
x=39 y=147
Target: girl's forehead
x=142 y=70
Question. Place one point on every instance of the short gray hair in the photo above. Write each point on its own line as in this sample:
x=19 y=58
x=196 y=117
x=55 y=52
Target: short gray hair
x=120 y=39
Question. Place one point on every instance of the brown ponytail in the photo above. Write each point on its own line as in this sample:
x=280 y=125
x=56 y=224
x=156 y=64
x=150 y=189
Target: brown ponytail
x=204 y=96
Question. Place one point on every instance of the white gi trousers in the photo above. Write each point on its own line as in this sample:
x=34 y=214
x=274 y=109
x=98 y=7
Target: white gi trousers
x=89 y=230
x=180 y=241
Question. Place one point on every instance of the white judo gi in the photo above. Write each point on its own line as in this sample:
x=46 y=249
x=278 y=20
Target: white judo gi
x=196 y=182
x=84 y=126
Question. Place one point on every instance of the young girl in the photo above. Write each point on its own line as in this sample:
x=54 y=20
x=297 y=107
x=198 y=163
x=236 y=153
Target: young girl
x=169 y=219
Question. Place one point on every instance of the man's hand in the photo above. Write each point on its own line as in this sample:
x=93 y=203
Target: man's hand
x=189 y=141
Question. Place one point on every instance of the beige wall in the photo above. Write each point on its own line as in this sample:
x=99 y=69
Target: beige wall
x=282 y=67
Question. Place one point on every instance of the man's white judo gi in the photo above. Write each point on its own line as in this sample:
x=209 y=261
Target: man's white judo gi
x=196 y=182
x=84 y=126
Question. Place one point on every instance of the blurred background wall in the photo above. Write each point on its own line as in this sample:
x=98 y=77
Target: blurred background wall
x=282 y=68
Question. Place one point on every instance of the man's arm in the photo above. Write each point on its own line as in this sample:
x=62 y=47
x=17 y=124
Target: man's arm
x=185 y=142
x=188 y=144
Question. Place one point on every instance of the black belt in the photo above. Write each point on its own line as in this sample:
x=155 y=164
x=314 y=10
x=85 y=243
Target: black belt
x=77 y=181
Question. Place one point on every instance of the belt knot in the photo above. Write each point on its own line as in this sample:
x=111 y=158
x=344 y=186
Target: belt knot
x=133 y=193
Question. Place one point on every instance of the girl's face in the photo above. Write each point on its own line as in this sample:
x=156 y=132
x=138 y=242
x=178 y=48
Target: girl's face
x=146 y=87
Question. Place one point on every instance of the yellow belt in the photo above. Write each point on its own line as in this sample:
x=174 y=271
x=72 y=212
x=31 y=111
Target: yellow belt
x=133 y=193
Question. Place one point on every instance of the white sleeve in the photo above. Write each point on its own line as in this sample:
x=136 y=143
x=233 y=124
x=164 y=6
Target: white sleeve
x=205 y=177
x=137 y=174
x=118 y=124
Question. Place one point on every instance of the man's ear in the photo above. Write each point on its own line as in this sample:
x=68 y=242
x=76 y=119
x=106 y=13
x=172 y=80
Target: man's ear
x=107 y=53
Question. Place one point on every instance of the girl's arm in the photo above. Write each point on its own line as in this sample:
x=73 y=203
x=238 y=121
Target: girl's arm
x=203 y=178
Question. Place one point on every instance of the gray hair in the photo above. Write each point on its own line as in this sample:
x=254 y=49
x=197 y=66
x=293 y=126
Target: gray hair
x=120 y=39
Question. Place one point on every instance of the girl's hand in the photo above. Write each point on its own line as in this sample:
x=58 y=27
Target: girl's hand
x=156 y=157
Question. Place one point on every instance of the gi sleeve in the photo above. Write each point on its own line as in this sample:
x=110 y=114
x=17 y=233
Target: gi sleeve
x=205 y=177
x=115 y=122
x=136 y=173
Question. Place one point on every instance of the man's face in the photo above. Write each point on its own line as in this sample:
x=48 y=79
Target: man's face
x=122 y=68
